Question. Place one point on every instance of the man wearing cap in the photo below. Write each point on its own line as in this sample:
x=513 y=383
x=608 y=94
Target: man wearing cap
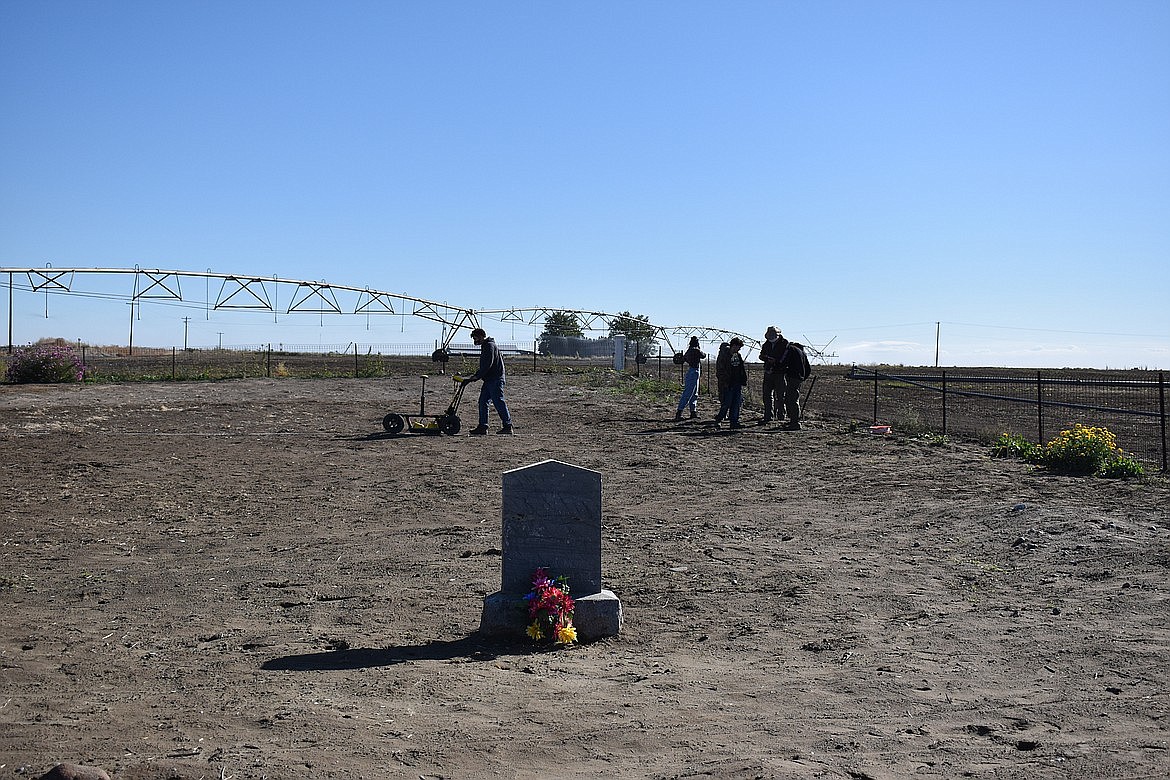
x=773 y=388
x=491 y=371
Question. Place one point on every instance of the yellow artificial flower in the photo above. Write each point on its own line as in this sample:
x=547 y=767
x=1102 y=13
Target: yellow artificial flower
x=566 y=635
x=535 y=632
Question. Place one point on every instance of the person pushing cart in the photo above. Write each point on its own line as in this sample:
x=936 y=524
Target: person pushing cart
x=491 y=372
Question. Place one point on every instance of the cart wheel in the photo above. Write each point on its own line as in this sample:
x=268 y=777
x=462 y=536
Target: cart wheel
x=449 y=424
x=393 y=423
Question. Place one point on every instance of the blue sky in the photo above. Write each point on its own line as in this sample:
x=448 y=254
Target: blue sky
x=854 y=172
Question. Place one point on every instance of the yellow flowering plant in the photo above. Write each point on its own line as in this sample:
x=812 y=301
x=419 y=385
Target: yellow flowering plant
x=1080 y=450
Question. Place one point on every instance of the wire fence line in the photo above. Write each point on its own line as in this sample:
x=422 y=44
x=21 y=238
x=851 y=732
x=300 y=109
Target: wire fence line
x=301 y=360
x=1040 y=404
x=265 y=358
x=417 y=349
x=977 y=403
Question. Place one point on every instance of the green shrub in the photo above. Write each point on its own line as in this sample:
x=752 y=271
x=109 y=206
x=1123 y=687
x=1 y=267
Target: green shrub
x=1013 y=445
x=1123 y=467
x=371 y=368
x=908 y=422
x=44 y=364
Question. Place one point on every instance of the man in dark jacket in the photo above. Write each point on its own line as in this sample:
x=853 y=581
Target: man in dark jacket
x=491 y=371
x=793 y=365
x=722 y=374
x=736 y=380
x=773 y=387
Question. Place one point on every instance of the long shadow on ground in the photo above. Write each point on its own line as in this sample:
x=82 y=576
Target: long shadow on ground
x=472 y=648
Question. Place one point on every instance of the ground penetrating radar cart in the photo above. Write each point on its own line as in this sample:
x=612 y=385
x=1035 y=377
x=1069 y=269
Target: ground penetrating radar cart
x=447 y=422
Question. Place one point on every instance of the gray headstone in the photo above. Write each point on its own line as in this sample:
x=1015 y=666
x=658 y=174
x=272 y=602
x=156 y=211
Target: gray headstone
x=551 y=519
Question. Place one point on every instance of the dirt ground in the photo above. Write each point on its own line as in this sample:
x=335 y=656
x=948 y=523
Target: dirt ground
x=246 y=579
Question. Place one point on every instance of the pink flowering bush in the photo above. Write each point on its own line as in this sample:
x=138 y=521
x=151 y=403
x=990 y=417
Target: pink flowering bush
x=550 y=610
x=44 y=364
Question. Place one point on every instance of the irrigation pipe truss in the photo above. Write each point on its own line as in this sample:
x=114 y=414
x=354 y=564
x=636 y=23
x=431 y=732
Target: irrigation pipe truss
x=242 y=292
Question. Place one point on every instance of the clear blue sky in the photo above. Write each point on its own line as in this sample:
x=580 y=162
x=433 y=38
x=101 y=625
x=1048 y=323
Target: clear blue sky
x=850 y=171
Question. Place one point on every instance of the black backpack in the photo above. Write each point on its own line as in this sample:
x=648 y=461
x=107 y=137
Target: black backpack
x=801 y=365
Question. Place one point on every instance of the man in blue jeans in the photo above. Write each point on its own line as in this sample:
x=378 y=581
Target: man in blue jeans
x=491 y=371
x=690 y=394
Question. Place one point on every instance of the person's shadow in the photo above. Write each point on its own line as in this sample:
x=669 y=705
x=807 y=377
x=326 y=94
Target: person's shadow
x=470 y=648
x=659 y=426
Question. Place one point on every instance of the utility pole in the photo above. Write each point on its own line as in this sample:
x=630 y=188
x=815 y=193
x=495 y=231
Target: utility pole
x=130 y=351
x=185 y=321
x=221 y=341
x=937 y=328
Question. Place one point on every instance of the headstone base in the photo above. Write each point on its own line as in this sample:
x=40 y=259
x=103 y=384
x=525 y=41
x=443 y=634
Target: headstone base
x=595 y=616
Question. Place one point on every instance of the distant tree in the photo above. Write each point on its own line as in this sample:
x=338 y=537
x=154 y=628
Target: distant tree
x=637 y=330
x=561 y=329
x=562 y=323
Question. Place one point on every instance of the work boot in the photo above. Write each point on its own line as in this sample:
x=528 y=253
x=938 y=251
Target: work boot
x=792 y=426
x=694 y=414
x=479 y=430
x=506 y=430
x=678 y=416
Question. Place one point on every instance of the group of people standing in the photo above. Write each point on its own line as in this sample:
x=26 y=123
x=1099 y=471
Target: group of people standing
x=785 y=367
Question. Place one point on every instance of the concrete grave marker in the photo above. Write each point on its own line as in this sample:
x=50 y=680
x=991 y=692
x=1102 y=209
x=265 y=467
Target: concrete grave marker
x=551 y=518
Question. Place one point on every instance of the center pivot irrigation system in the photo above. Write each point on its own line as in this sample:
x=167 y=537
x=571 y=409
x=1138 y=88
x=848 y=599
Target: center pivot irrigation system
x=238 y=292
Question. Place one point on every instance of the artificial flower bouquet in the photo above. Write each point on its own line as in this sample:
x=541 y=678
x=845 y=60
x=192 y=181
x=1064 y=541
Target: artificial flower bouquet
x=550 y=610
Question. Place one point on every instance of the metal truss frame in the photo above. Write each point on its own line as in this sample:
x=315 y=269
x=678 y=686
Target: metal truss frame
x=242 y=292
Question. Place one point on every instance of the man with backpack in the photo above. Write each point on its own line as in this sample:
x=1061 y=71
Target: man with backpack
x=793 y=366
x=773 y=387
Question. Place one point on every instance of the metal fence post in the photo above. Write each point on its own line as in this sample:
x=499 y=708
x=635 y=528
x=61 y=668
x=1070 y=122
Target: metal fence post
x=172 y=364
x=875 y=396
x=1162 y=413
x=1039 y=410
x=944 y=402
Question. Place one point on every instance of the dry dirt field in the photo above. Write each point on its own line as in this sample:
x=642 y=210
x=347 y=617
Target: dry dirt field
x=246 y=579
